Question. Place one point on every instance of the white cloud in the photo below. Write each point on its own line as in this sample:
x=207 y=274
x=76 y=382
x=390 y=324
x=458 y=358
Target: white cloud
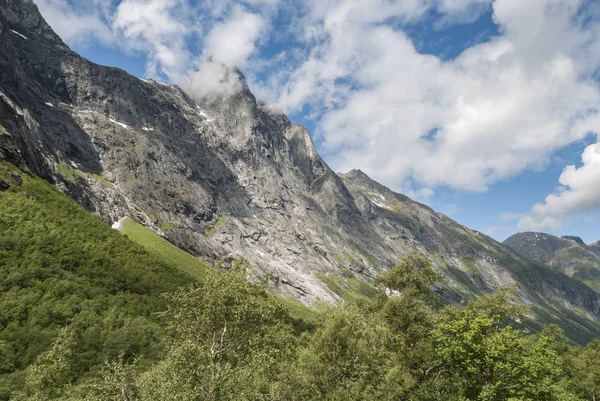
x=213 y=79
x=579 y=193
x=227 y=47
x=231 y=42
x=499 y=108
x=76 y=25
x=156 y=27
x=461 y=10
x=170 y=33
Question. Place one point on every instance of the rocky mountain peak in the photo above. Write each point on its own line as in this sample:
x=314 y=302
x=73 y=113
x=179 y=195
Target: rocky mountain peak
x=573 y=238
x=24 y=15
x=355 y=174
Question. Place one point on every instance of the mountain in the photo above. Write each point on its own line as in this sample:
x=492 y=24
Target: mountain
x=567 y=254
x=230 y=178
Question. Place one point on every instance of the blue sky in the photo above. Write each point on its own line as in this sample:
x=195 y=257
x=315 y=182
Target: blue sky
x=487 y=110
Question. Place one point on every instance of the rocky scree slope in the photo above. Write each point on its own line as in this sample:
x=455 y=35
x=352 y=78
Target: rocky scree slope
x=567 y=254
x=231 y=178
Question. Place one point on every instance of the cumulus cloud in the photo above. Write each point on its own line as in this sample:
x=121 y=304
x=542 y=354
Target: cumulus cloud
x=578 y=193
x=227 y=47
x=77 y=24
x=156 y=27
x=499 y=108
x=213 y=79
x=232 y=41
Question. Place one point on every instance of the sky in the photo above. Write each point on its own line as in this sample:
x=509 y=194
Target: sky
x=486 y=110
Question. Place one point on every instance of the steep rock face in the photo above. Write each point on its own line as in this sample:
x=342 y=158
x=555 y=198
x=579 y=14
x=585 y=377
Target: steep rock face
x=472 y=263
x=231 y=178
x=567 y=254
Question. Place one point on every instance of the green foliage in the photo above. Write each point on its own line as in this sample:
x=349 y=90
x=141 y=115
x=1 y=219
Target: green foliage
x=51 y=374
x=404 y=347
x=413 y=274
x=584 y=367
x=227 y=337
x=62 y=267
x=489 y=360
x=3 y=130
x=301 y=317
x=346 y=359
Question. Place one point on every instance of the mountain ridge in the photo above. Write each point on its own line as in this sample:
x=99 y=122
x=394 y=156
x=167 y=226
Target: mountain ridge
x=230 y=179
x=567 y=254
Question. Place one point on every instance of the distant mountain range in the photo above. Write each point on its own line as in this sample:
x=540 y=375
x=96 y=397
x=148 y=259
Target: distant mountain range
x=231 y=179
x=567 y=254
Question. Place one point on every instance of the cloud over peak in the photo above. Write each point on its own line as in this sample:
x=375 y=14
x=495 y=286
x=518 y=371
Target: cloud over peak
x=497 y=109
x=227 y=47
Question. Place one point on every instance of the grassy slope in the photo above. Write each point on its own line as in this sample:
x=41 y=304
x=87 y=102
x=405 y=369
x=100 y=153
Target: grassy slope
x=163 y=249
x=61 y=266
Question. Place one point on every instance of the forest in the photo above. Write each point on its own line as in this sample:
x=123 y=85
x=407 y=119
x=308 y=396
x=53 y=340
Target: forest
x=88 y=314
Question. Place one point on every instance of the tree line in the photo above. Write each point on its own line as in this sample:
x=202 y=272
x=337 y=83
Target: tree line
x=230 y=340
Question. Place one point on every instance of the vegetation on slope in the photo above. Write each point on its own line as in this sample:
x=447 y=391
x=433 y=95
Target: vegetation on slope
x=60 y=266
x=79 y=321
x=228 y=340
x=302 y=317
x=164 y=250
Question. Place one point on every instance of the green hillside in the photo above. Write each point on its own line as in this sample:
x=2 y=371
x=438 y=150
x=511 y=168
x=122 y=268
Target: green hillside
x=164 y=250
x=61 y=266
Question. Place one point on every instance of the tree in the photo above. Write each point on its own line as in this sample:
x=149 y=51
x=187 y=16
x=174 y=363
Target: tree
x=585 y=371
x=377 y=350
x=413 y=274
x=346 y=359
x=228 y=338
x=487 y=359
x=50 y=376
